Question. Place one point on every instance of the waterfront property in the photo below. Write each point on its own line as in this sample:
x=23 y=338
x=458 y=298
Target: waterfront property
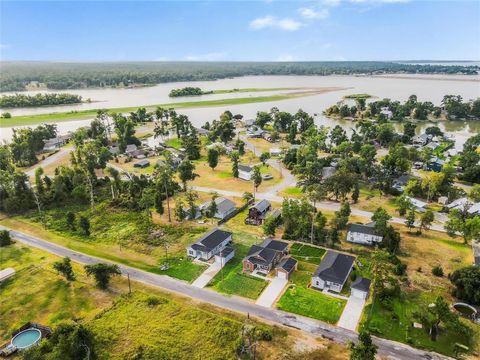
x=363 y=234
x=210 y=244
x=56 y=143
x=333 y=271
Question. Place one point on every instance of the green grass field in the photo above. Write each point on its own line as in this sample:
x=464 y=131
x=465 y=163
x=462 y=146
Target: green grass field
x=161 y=328
x=311 y=303
x=87 y=114
x=303 y=252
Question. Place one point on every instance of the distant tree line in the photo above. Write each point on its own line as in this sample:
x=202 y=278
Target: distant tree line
x=452 y=106
x=21 y=100
x=15 y=76
x=188 y=91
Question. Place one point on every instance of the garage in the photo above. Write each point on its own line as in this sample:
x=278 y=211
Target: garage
x=360 y=288
x=285 y=268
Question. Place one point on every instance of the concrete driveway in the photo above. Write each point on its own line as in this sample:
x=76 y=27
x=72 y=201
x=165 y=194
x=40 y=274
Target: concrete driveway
x=352 y=313
x=207 y=275
x=272 y=292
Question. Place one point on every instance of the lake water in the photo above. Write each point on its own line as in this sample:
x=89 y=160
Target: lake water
x=395 y=87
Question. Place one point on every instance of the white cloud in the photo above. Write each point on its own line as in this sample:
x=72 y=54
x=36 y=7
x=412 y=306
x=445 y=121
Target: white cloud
x=213 y=56
x=272 y=22
x=309 y=13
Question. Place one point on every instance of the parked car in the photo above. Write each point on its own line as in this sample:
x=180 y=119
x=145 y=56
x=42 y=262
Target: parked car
x=267 y=177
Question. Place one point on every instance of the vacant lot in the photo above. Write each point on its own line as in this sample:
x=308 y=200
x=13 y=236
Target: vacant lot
x=303 y=252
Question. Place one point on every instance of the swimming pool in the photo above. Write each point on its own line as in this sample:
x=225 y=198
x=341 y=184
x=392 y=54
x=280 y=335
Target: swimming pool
x=26 y=338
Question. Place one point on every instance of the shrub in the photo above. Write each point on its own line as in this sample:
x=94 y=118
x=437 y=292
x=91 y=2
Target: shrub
x=5 y=238
x=437 y=271
x=400 y=269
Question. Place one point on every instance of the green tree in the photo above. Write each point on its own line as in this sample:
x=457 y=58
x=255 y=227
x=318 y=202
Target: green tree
x=64 y=267
x=234 y=156
x=102 y=273
x=179 y=210
x=469 y=228
x=84 y=224
x=270 y=226
x=212 y=158
x=433 y=316
x=403 y=204
x=186 y=172
x=365 y=349
x=426 y=220
x=256 y=178
x=381 y=218
x=192 y=196
x=410 y=221
x=70 y=220
x=467 y=284
x=5 y=238
x=212 y=207
x=355 y=193
x=264 y=157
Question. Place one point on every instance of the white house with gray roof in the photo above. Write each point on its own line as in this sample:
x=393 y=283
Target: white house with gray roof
x=333 y=271
x=363 y=234
x=224 y=207
x=245 y=172
x=211 y=244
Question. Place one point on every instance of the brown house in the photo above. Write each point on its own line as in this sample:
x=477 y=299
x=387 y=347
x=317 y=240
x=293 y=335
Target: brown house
x=257 y=213
x=263 y=258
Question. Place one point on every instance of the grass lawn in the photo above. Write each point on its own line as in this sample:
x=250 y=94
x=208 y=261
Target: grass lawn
x=221 y=178
x=311 y=303
x=291 y=192
x=232 y=281
x=370 y=200
x=117 y=235
x=303 y=252
x=36 y=293
x=395 y=323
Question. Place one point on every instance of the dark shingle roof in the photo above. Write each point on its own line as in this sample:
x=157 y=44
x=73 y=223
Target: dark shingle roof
x=363 y=229
x=245 y=168
x=224 y=205
x=261 y=205
x=211 y=240
x=287 y=264
x=142 y=163
x=361 y=284
x=335 y=267
x=226 y=251
x=275 y=245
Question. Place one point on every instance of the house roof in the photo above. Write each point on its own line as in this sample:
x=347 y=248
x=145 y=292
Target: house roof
x=362 y=284
x=275 y=213
x=417 y=203
x=261 y=205
x=335 y=267
x=368 y=229
x=227 y=250
x=211 y=240
x=287 y=264
x=459 y=203
x=131 y=147
x=245 y=168
x=475 y=208
x=404 y=179
x=275 y=245
x=142 y=163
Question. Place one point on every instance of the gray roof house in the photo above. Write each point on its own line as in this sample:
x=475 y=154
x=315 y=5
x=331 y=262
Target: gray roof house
x=224 y=207
x=142 y=164
x=264 y=257
x=210 y=244
x=333 y=271
x=286 y=267
x=258 y=212
x=363 y=234
x=245 y=172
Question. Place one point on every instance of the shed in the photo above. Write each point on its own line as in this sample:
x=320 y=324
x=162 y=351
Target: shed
x=142 y=164
x=286 y=267
x=6 y=273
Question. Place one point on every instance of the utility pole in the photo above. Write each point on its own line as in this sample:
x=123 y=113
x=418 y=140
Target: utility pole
x=129 y=284
x=168 y=201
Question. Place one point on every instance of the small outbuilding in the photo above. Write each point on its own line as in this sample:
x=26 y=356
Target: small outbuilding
x=6 y=273
x=142 y=164
x=286 y=267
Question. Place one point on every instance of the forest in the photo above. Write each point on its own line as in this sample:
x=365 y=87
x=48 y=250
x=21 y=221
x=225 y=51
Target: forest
x=16 y=76
x=188 y=91
x=21 y=100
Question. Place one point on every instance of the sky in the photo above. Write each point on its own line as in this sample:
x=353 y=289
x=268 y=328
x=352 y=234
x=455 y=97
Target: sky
x=268 y=30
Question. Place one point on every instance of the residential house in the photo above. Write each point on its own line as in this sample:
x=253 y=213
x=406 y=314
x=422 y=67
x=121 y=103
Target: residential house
x=474 y=209
x=422 y=139
x=114 y=150
x=258 y=212
x=142 y=164
x=435 y=164
x=245 y=172
x=255 y=132
x=267 y=136
x=130 y=148
x=275 y=151
x=225 y=255
x=419 y=205
x=56 y=142
x=400 y=182
x=387 y=112
x=333 y=271
x=202 y=131
x=224 y=207
x=432 y=145
x=210 y=244
x=461 y=204
x=360 y=288
x=263 y=258
x=138 y=154
x=363 y=234
x=285 y=268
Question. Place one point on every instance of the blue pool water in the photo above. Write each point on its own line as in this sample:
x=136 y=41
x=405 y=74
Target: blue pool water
x=26 y=338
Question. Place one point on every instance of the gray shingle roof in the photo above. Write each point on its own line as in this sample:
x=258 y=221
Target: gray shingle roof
x=335 y=267
x=261 y=205
x=287 y=264
x=275 y=245
x=245 y=168
x=362 y=284
x=211 y=240
x=362 y=229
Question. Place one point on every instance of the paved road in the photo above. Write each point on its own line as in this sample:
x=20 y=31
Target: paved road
x=313 y=327
x=50 y=160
